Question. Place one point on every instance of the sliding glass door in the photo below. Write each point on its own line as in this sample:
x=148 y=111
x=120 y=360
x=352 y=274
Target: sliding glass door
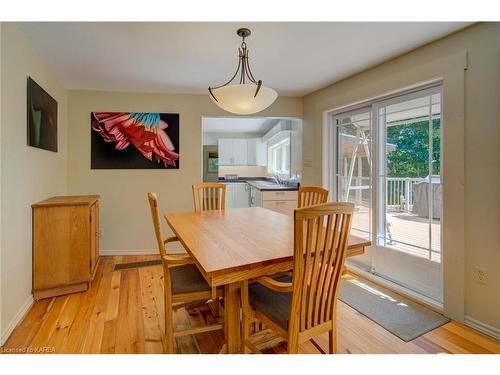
x=388 y=163
x=353 y=166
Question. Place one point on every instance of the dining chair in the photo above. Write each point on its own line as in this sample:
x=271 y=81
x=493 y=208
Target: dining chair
x=209 y=196
x=183 y=282
x=311 y=196
x=303 y=306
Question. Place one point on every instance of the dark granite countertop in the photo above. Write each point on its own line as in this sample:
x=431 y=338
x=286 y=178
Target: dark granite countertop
x=264 y=184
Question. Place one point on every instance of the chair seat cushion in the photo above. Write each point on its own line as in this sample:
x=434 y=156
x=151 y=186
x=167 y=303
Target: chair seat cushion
x=187 y=279
x=274 y=305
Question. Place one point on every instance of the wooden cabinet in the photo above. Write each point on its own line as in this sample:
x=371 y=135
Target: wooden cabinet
x=284 y=202
x=65 y=244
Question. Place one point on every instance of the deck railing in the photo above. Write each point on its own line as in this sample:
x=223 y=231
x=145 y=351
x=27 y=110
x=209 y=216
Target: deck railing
x=399 y=191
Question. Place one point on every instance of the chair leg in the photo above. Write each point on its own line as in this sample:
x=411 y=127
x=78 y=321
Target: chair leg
x=216 y=307
x=169 y=325
x=332 y=336
x=293 y=344
x=246 y=325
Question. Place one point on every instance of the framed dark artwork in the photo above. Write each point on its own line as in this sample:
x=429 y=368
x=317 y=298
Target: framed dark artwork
x=134 y=140
x=42 y=118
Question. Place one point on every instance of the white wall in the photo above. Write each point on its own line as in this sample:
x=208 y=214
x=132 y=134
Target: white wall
x=28 y=174
x=475 y=94
x=125 y=217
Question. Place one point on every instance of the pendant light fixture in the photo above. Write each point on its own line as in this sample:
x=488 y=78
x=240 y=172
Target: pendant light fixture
x=246 y=96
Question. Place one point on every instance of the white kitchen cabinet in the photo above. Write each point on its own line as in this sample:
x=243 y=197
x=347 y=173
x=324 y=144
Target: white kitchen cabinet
x=242 y=151
x=226 y=152
x=237 y=195
x=261 y=151
x=257 y=152
x=252 y=151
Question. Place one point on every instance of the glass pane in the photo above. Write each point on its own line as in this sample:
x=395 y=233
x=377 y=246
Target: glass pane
x=412 y=193
x=354 y=168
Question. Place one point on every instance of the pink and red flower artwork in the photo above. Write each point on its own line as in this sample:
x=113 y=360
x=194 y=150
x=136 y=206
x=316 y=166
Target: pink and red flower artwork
x=134 y=140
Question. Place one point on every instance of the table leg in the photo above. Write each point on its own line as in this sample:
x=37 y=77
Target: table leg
x=232 y=317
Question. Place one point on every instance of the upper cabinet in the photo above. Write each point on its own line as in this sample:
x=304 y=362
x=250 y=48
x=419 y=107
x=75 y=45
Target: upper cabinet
x=250 y=151
x=226 y=152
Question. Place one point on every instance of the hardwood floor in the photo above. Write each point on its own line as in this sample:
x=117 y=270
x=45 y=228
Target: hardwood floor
x=123 y=313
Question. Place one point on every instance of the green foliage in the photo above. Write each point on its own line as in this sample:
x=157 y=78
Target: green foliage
x=410 y=158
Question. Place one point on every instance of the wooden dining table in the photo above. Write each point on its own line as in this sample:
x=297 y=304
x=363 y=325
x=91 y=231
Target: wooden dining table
x=233 y=245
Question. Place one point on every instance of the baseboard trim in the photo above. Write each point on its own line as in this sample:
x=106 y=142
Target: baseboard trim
x=171 y=249
x=17 y=319
x=482 y=327
x=405 y=292
x=128 y=252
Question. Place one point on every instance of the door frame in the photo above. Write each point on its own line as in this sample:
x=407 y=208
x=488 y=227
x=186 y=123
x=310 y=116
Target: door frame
x=450 y=70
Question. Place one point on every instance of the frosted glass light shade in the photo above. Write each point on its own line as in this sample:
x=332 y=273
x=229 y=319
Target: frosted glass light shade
x=240 y=99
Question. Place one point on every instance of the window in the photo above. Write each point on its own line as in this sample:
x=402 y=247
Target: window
x=279 y=157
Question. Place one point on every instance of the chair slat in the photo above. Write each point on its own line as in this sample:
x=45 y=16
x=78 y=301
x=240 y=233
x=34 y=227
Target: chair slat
x=326 y=229
x=209 y=196
x=311 y=196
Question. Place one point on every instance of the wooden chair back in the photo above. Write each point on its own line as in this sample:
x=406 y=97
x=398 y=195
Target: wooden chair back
x=311 y=196
x=155 y=215
x=209 y=196
x=321 y=237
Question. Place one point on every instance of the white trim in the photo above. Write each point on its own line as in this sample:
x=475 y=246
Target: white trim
x=482 y=327
x=17 y=319
x=429 y=302
x=387 y=95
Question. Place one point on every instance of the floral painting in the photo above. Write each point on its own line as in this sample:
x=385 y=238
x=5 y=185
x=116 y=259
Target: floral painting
x=134 y=140
x=42 y=118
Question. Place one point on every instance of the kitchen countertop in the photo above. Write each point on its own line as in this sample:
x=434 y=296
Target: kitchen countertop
x=263 y=184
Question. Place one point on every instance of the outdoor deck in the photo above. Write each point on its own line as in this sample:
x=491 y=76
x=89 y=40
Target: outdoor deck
x=409 y=233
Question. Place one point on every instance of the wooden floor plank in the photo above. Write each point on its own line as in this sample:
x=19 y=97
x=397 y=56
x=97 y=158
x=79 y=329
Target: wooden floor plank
x=92 y=343
x=150 y=316
x=123 y=313
x=80 y=325
x=29 y=326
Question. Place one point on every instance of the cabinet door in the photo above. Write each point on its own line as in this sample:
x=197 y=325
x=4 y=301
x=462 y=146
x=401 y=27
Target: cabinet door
x=230 y=195
x=283 y=207
x=252 y=151
x=241 y=195
x=261 y=153
x=226 y=152
x=240 y=149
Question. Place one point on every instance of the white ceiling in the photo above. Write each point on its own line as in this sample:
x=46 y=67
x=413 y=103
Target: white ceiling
x=293 y=58
x=236 y=125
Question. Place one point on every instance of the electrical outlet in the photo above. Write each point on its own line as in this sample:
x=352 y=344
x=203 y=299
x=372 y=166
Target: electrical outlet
x=101 y=233
x=481 y=275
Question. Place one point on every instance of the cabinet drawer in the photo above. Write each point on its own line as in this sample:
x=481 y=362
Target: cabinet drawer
x=283 y=207
x=279 y=195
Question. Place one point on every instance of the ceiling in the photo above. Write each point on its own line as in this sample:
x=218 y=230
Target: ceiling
x=236 y=125
x=293 y=58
